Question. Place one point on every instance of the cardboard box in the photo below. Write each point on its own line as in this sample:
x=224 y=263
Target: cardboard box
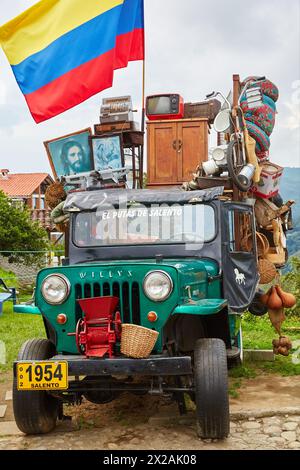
x=269 y=184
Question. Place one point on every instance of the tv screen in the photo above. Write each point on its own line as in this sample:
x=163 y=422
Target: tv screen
x=159 y=105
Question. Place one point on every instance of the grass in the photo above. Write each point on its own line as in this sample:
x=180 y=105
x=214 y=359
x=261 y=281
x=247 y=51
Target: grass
x=258 y=333
x=15 y=329
x=234 y=387
x=282 y=366
x=10 y=279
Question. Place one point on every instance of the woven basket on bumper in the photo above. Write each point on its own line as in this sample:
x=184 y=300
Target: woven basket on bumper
x=137 y=341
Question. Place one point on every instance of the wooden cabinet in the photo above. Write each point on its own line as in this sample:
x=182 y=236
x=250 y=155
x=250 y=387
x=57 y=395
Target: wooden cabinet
x=175 y=149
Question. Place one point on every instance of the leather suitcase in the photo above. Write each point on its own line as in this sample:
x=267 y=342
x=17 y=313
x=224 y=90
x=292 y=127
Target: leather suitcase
x=206 y=109
x=116 y=127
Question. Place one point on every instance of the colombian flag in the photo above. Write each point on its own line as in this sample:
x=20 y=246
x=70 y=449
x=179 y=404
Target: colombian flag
x=62 y=52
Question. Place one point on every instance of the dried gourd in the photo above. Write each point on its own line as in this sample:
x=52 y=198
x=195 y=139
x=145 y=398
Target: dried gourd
x=274 y=302
x=288 y=300
x=277 y=317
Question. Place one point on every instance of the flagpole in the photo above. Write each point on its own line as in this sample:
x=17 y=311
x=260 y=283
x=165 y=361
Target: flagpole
x=143 y=104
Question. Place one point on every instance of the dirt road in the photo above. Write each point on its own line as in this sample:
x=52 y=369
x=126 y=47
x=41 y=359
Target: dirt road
x=265 y=416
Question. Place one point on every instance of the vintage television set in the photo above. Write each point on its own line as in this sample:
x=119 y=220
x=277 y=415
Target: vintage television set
x=168 y=106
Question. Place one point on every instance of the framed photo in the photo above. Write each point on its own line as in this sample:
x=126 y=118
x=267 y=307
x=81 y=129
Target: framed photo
x=107 y=151
x=70 y=154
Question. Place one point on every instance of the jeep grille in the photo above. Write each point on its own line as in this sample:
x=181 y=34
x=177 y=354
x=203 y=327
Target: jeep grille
x=128 y=293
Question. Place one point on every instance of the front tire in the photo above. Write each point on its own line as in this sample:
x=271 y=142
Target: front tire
x=35 y=412
x=211 y=389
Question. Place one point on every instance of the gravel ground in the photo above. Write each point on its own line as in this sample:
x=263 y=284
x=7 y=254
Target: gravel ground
x=265 y=416
x=272 y=433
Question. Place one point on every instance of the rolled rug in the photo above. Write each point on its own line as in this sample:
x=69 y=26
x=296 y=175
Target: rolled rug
x=263 y=116
x=263 y=142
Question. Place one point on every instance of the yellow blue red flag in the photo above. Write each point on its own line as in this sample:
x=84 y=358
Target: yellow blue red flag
x=62 y=52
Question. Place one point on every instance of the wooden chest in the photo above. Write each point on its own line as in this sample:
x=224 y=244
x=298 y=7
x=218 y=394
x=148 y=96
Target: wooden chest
x=175 y=149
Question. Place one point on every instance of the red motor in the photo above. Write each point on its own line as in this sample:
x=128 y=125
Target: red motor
x=100 y=329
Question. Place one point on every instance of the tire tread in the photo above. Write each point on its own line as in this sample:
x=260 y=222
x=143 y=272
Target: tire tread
x=211 y=385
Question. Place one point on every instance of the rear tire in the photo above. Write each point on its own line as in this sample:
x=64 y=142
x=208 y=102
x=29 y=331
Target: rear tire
x=35 y=412
x=211 y=389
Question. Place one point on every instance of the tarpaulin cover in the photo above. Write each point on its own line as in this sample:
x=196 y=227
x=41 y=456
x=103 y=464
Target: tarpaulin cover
x=94 y=200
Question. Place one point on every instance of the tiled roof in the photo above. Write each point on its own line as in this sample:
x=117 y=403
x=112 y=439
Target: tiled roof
x=22 y=184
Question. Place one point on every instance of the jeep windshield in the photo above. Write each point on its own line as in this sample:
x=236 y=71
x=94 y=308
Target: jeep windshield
x=145 y=225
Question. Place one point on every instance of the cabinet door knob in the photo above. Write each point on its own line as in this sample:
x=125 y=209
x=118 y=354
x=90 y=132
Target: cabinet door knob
x=180 y=145
x=175 y=144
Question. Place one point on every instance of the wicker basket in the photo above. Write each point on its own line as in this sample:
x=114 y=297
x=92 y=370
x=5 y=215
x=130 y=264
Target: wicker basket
x=55 y=194
x=137 y=341
x=279 y=259
x=267 y=271
x=263 y=245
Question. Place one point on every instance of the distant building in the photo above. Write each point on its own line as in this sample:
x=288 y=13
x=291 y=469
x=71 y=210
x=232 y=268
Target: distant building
x=28 y=190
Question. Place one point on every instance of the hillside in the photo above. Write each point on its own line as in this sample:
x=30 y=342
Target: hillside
x=290 y=189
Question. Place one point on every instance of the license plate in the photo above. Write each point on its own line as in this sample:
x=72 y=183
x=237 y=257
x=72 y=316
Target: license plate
x=42 y=375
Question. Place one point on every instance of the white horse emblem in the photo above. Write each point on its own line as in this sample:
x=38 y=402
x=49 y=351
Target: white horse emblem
x=240 y=278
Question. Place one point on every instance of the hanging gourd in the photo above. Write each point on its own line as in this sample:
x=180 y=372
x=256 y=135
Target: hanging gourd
x=288 y=300
x=274 y=302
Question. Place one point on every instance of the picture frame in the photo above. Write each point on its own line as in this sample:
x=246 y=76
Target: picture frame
x=70 y=154
x=107 y=152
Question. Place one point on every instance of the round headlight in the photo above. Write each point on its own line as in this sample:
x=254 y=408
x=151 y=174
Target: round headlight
x=158 y=286
x=55 y=289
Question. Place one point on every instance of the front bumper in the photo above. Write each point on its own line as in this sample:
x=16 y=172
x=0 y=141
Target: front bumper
x=153 y=366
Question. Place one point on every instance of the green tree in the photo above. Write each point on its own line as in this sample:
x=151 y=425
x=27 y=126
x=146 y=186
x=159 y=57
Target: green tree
x=19 y=233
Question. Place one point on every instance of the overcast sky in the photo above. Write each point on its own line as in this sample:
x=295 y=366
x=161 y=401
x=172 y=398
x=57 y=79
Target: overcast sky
x=193 y=48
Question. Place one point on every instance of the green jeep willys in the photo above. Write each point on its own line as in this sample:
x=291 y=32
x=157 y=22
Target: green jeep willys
x=181 y=263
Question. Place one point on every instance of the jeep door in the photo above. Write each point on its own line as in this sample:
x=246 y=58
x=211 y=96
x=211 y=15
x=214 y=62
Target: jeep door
x=239 y=255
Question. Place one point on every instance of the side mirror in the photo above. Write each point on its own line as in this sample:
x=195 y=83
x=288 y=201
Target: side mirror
x=222 y=121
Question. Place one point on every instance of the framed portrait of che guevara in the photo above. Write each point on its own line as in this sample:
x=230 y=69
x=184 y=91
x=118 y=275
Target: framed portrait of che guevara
x=70 y=154
x=107 y=152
